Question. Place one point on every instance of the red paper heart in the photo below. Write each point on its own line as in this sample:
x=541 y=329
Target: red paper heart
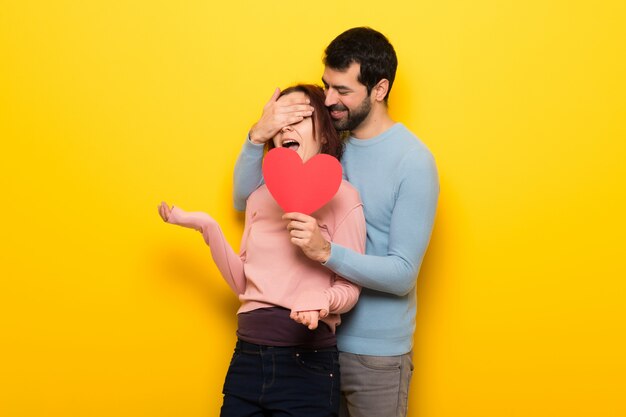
x=299 y=187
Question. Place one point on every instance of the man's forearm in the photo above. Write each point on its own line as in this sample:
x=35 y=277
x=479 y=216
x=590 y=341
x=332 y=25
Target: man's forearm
x=390 y=274
x=248 y=175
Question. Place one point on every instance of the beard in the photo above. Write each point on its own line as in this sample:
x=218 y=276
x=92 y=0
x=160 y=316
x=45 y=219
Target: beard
x=353 y=118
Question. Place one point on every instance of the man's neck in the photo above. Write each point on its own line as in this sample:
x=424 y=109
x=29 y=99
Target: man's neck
x=377 y=122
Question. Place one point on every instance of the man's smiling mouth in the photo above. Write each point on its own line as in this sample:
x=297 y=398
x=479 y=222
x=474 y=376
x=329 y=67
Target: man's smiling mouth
x=337 y=111
x=338 y=114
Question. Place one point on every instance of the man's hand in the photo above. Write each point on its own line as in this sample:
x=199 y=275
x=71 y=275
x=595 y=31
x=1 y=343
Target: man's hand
x=308 y=318
x=305 y=233
x=278 y=113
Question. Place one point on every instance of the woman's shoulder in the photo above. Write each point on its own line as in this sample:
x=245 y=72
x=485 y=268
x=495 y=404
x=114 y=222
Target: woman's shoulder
x=346 y=199
x=260 y=200
x=347 y=192
x=259 y=194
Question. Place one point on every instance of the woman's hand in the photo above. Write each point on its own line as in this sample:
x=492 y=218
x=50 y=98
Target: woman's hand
x=164 y=211
x=308 y=318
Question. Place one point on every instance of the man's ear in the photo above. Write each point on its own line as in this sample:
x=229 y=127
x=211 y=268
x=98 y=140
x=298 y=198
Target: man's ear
x=380 y=89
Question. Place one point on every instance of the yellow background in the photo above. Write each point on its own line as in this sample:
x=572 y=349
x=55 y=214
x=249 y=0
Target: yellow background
x=109 y=107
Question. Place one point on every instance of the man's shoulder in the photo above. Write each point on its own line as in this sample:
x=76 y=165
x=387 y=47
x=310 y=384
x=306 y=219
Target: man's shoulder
x=410 y=153
x=410 y=141
x=397 y=139
x=401 y=146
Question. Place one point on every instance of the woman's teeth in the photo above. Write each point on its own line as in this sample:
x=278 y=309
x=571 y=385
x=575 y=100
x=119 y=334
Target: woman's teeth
x=291 y=144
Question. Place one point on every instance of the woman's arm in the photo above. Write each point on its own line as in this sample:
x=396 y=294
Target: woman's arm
x=228 y=262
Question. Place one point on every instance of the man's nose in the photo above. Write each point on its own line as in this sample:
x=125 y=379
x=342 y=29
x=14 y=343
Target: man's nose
x=331 y=97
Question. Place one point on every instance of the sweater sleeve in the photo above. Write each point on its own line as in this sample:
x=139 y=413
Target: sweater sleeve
x=342 y=294
x=248 y=175
x=410 y=228
x=227 y=261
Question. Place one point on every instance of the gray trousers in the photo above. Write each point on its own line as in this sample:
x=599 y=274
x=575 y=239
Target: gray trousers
x=374 y=386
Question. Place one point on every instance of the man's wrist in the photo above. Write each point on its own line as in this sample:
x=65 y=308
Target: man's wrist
x=254 y=137
x=325 y=253
x=256 y=142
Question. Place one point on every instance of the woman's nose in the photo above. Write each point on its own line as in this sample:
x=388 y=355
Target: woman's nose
x=286 y=128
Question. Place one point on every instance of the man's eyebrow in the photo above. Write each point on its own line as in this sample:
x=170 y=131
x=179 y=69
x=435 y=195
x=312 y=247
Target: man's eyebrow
x=337 y=87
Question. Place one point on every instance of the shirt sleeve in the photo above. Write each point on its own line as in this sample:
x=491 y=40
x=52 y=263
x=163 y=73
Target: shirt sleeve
x=227 y=261
x=409 y=234
x=248 y=175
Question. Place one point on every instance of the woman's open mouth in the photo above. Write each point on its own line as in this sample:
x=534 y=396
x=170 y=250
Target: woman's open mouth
x=291 y=144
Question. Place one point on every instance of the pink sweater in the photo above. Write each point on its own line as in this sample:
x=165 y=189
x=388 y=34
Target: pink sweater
x=270 y=271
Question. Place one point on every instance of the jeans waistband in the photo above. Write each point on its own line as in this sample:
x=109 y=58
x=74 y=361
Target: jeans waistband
x=254 y=348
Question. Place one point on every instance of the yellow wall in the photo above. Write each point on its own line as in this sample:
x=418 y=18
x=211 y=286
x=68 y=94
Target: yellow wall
x=108 y=107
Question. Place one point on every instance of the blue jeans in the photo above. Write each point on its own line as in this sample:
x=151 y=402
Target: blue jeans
x=264 y=381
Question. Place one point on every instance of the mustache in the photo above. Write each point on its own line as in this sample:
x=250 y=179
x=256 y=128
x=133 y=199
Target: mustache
x=337 y=107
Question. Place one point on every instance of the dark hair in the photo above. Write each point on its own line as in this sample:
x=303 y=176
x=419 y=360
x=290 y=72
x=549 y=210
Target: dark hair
x=367 y=47
x=323 y=127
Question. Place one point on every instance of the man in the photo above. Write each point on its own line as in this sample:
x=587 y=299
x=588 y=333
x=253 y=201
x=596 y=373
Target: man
x=396 y=177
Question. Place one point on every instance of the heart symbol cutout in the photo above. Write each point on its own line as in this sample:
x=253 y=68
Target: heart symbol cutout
x=301 y=187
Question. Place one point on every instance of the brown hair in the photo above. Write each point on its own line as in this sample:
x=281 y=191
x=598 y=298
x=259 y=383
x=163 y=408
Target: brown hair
x=323 y=127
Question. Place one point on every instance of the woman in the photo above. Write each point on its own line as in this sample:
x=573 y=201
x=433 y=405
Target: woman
x=281 y=367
